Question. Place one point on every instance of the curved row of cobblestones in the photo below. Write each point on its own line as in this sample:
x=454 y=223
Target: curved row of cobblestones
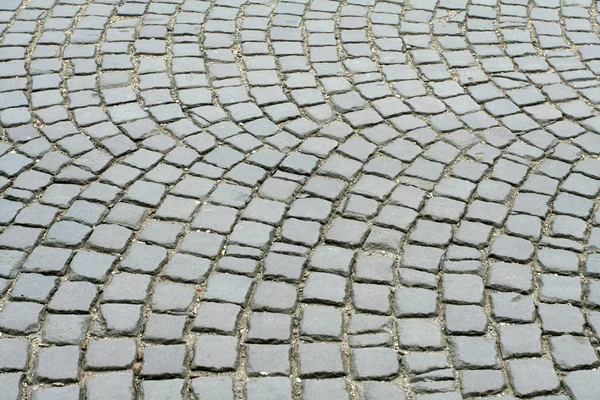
x=304 y=199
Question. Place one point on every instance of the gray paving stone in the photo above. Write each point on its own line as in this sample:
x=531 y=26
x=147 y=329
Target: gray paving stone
x=332 y=259
x=510 y=277
x=215 y=353
x=164 y=328
x=217 y=218
x=325 y=288
x=321 y=322
x=228 y=288
x=374 y=363
x=218 y=387
x=375 y=269
x=420 y=334
x=560 y=318
x=512 y=307
x=301 y=232
x=380 y=390
x=473 y=352
x=21 y=317
x=269 y=388
x=454 y=289
x=371 y=298
x=311 y=209
x=557 y=289
x=91 y=266
x=216 y=317
x=163 y=361
x=122 y=319
x=110 y=354
x=269 y=327
x=320 y=360
x=268 y=359
x=14 y=354
x=11 y=382
x=160 y=389
x=110 y=238
x=347 y=232
x=431 y=233
x=465 y=319
x=581 y=384
x=267 y=211
x=10 y=261
x=253 y=234
x=34 y=287
x=144 y=258
x=58 y=364
x=65 y=329
x=20 y=238
x=47 y=260
x=10 y=209
x=202 y=244
x=571 y=352
x=284 y=267
x=321 y=389
x=274 y=296
x=67 y=234
x=244 y=266
x=401 y=218
x=75 y=297
x=520 y=340
x=512 y=249
x=173 y=297
x=110 y=384
x=482 y=382
x=69 y=392
x=532 y=377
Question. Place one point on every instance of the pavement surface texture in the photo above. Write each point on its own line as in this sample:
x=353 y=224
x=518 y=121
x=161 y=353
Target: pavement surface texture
x=299 y=199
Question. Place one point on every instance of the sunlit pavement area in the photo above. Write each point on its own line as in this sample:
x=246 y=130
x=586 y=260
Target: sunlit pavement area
x=303 y=199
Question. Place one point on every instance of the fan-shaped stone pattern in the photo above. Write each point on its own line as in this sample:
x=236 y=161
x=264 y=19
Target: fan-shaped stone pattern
x=299 y=199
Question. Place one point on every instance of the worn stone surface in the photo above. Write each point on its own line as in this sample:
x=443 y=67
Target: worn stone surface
x=299 y=199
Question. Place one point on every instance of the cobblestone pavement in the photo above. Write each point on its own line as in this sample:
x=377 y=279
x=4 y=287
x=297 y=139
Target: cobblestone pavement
x=305 y=199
